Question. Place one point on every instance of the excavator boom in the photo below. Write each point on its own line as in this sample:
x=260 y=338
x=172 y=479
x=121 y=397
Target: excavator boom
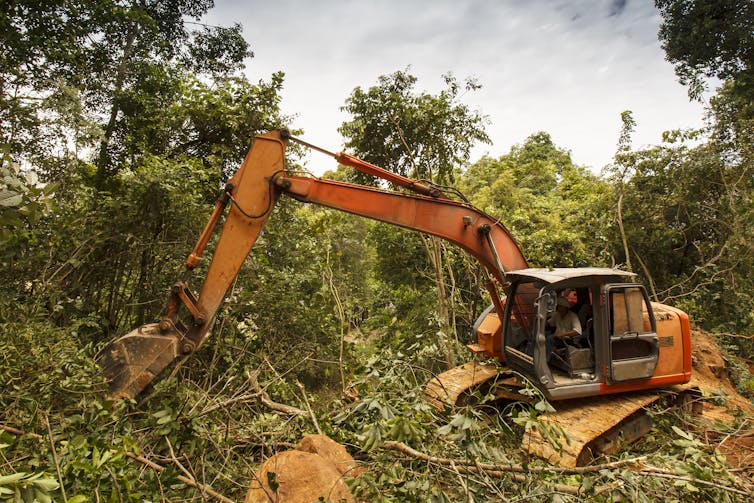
x=131 y=362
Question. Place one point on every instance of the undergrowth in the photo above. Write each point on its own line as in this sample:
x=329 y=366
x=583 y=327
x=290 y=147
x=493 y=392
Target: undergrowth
x=63 y=442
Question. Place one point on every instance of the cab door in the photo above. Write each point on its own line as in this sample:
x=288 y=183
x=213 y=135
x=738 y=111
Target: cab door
x=633 y=345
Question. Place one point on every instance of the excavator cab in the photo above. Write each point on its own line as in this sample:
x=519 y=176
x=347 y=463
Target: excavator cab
x=614 y=340
x=623 y=341
x=618 y=350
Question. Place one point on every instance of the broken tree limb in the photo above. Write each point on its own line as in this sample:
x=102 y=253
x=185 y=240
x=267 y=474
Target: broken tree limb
x=309 y=407
x=269 y=403
x=55 y=459
x=19 y=433
x=246 y=397
x=464 y=466
x=656 y=472
x=405 y=449
x=516 y=472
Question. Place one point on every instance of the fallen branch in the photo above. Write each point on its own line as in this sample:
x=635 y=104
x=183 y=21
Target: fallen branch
x=657 y=472
x=309 y=407
x=518 y=477
x=464 y=486
x=470 y=469
x=733 y=336
x=518 y=471
x=401 y=447
x=186 y=480
x=267 y=401
x=55 y=459
x=246 y=397
x=19 y=433
x=175 y=460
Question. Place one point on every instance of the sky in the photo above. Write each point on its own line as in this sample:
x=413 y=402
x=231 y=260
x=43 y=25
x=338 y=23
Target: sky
x=568 y=68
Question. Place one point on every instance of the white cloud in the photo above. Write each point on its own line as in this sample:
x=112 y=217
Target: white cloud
x=566 y=67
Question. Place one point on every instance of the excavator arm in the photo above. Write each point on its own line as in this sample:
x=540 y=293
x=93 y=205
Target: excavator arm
x=131 y=362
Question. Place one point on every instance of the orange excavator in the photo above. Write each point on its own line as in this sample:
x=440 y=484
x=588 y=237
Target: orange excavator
x=623 y=350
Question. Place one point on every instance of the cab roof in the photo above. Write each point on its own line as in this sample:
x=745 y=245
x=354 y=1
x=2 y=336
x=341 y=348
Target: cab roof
x=557 y=274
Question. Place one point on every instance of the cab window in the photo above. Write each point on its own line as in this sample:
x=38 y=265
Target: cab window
x=520 y=329
x=628 y=322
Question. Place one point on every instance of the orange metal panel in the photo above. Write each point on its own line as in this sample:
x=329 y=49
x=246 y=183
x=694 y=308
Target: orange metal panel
x=674 y=334
x=489 y=335
x=654 y=382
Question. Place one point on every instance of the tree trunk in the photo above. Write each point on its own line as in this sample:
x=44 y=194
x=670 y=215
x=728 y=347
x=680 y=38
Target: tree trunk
x=433 y=246
x=623 y=231
x=103 y=159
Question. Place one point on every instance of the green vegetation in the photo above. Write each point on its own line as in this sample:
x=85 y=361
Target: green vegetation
x=118 y=125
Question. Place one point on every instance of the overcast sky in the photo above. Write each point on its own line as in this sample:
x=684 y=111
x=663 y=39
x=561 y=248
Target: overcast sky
x=565 y=67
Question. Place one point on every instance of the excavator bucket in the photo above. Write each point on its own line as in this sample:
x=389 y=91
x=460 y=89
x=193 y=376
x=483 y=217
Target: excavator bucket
x=131 y=362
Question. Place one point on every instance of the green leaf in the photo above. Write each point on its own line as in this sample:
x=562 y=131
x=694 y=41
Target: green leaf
x=12 y=478
x=48 y=484
x=164 y=416
x=444 y=430
x=164 y=420
x=681 y=433
x=103 y=458
x=162 y=413
x=41 y=496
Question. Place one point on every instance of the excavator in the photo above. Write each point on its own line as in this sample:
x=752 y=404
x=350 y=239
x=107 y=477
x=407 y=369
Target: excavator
x=626 y=354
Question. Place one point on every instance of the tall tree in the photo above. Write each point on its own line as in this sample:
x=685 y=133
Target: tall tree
x=708 y=193
x=415 y=134
x=555 y=209
x=123 y=57
x=420 y=135
x=705 y=38
x=137 y=113
x=687 y=217
x=623 y=165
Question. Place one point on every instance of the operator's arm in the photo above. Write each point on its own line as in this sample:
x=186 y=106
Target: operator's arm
x=570 y=326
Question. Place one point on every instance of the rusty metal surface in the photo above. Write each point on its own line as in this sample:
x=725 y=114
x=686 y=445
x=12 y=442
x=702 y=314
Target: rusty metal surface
x=578 y=423
x=453 y=386
x=585 y=427
x=131 y=362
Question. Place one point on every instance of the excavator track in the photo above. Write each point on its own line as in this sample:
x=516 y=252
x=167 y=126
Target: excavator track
x=457 y=385
x=578 y=431
x=582 y=429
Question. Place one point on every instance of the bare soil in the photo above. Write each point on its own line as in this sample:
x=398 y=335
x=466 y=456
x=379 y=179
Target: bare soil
x=724 y=406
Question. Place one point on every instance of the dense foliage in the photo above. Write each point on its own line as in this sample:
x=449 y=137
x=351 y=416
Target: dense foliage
x=119 y=124
x=709 y=39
